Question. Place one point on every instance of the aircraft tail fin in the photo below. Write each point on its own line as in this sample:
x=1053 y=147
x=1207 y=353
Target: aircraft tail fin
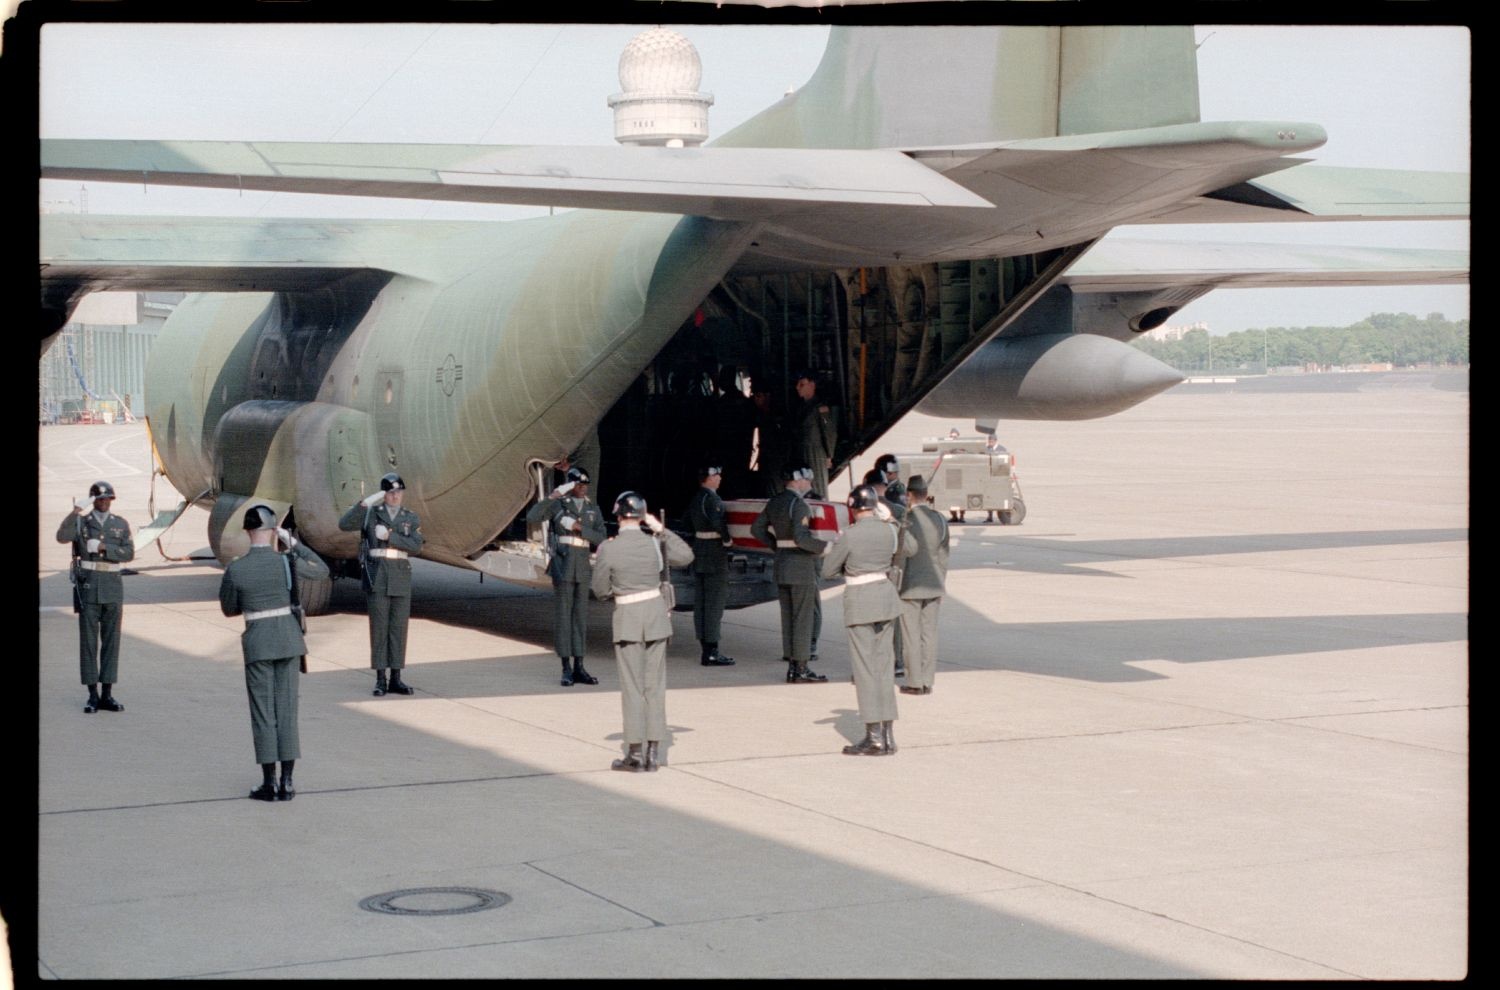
x=924 y=87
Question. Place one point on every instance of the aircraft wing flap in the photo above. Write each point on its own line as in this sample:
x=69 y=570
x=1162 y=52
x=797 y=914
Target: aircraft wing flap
x=1125 y=265
x=727 y=183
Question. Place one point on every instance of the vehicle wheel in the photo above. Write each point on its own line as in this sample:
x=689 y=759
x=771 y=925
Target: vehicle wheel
x=315 y=595
x=1013 y=517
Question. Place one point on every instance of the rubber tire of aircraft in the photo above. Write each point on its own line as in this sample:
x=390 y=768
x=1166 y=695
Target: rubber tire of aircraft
x=314 y=595
x=1013 y=517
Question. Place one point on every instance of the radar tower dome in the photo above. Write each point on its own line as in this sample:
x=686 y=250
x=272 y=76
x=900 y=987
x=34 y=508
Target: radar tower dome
x=660 y=104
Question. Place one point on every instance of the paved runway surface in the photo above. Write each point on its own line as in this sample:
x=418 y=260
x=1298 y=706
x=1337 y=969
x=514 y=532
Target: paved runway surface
x=1205 y=714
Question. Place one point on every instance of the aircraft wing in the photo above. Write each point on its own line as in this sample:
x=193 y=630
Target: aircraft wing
x=725 y=183
x=816 y=207
x=1125 y=265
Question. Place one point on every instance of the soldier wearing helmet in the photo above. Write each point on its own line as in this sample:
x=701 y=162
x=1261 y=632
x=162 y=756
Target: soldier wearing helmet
x=389 y=534
x=864 y=555
x=921 y=592
x=574 y=526
x=101 y=543
x=783 y=525
x=710 y=525
x=630 y=569
x=261 y=587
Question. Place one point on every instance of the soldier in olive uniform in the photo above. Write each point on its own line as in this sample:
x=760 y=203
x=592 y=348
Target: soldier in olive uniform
x=864 y=554
x=783 y=525
x=101 y=543
x=922 y=582
x=893 y=497
x=388 y=535
x=259 y=587
x=710 y=524
x=575 y=525
x=630 y=569
x=815 y=432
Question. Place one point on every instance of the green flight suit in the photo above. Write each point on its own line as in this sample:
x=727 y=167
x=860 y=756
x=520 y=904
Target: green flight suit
x=570 y=568
x=101 y=593
x=706 y=514
x=815 y=433
x=871 y=547
x=631 y=563
x=922 y=581
x=260 y=581
x=387 y=579
x=783 y=524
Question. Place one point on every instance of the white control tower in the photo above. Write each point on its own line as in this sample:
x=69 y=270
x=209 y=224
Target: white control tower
x=659 y=73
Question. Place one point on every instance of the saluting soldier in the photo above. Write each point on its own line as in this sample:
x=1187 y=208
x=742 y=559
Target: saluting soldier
x=389 y=534
x=101 y=543
x=922 y=581
x=864 y=554
x=576 y=525
x=783 y=525
x=629 y=569
x=259 y=587
x=710 y=525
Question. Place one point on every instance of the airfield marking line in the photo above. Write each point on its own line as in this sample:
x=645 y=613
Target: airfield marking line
x=654 y=922
x=1294 y=719
x=100 y=451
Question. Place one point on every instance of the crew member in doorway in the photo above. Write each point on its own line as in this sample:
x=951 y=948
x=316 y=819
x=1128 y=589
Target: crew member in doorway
x=575 y=526
x=101 y=543
x=389 y=534
x=710 y=524
x=815 y=432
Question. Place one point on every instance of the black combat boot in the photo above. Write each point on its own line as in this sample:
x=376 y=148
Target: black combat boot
x=580 y=675
x=799 y=674
x=632 y=761
x=92 y=705
x=887 y=738
x=107 y=701
x=287 y=790
x=379 y=691
x=873 y=744
x=398 y=686
x=651 y=761
x=713 y=658
x=267 y=790
x=567 y=674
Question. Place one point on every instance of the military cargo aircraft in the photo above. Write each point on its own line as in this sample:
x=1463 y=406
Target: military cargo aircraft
x=919 y=242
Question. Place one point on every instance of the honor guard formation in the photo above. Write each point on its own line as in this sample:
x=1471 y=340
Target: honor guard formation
x=892 y=559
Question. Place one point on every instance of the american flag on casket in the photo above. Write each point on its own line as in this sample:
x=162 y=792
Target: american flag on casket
x=828 y=520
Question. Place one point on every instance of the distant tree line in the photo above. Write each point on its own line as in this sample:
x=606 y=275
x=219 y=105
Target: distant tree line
x=1401 y=339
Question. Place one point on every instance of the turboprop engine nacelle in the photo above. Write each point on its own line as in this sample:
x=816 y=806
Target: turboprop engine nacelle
x=1050 y=376
x=313 y=457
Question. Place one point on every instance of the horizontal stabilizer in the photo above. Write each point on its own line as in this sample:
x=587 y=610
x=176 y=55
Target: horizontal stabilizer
x=1125 y=265
x=1308 y=193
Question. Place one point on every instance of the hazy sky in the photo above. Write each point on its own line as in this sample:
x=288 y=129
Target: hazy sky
x=1392 y=97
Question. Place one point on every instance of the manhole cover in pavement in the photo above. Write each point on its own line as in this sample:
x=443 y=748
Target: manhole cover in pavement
x=429 y=901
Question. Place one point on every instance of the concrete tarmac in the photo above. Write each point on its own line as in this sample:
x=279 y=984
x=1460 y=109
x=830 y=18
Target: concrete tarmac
x=1203 y=715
